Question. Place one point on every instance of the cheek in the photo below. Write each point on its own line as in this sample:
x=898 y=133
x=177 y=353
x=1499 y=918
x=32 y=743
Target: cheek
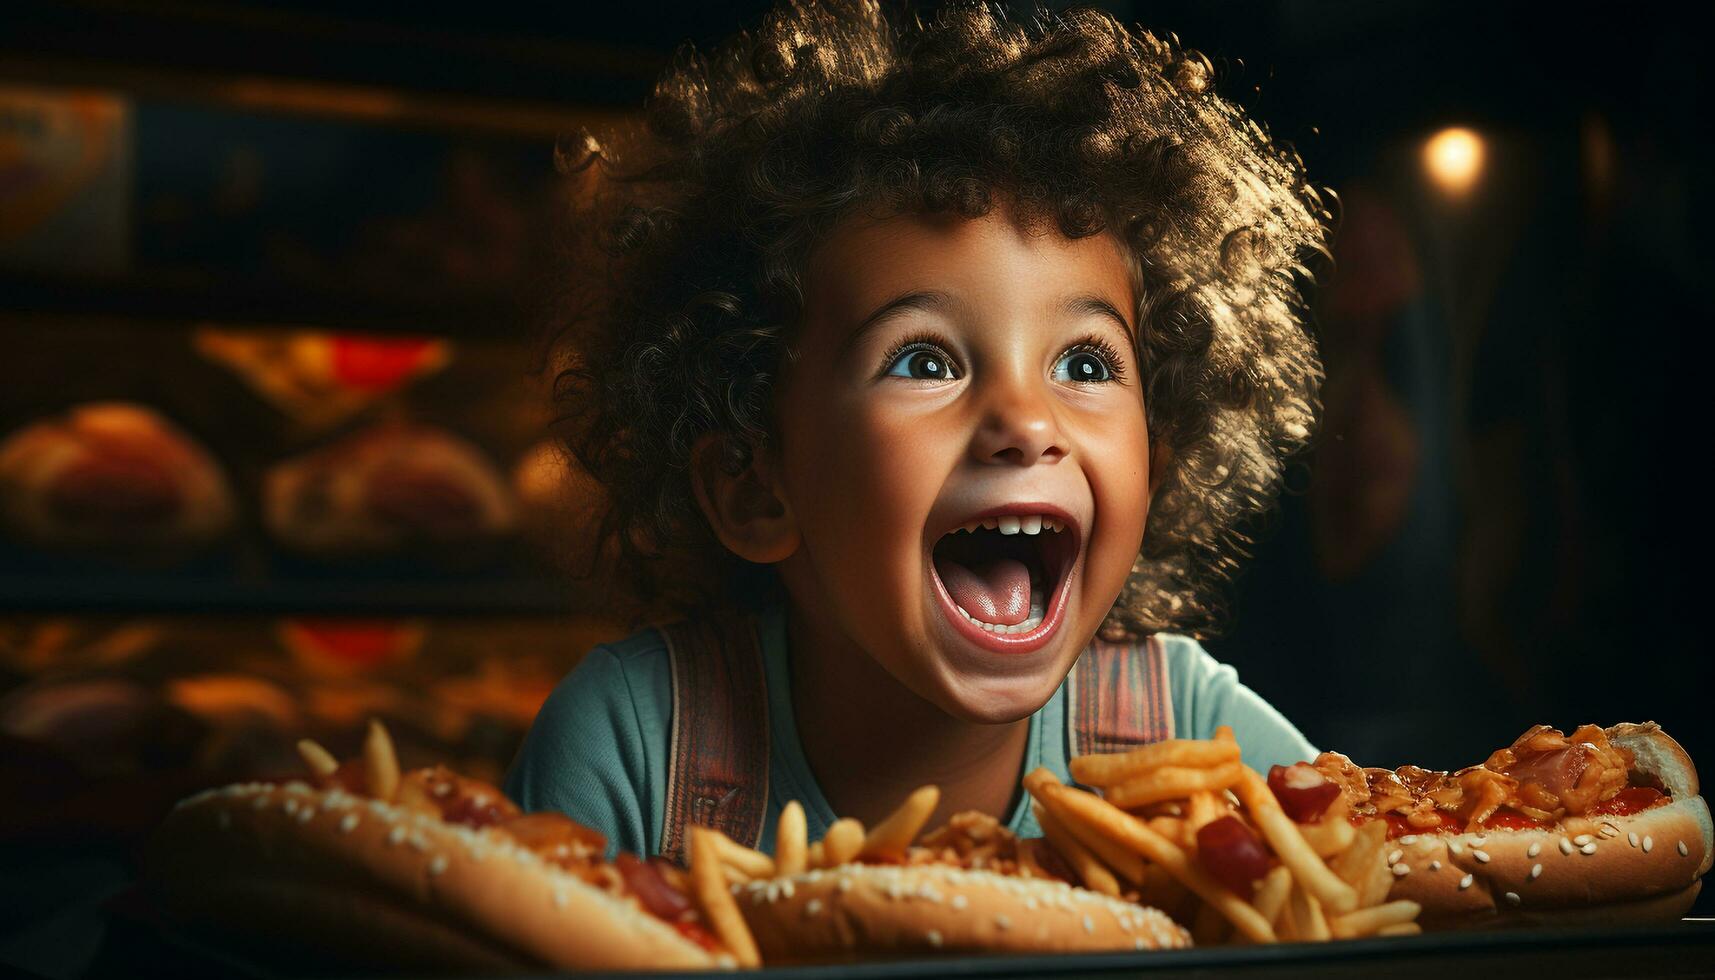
x=866 y=477
x=1118 y=471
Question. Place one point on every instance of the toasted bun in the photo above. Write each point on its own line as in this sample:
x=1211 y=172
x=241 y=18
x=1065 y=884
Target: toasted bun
x=393 y=486
x=112 y=476
x=883 y=910
x=328 y=877
x=1639 y=868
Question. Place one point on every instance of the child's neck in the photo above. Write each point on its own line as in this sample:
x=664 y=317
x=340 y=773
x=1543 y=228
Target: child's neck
x=870 y=740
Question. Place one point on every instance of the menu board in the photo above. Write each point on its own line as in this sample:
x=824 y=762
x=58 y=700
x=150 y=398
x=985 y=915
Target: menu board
x=65 y=181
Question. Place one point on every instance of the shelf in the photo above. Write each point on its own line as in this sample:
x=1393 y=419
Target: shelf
x=333 y=596
x=199 y=50
x=177 y=303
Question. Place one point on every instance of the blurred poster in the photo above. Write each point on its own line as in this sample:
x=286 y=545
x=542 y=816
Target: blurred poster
x=65 y=181
x=331 y=206
x=321 y=379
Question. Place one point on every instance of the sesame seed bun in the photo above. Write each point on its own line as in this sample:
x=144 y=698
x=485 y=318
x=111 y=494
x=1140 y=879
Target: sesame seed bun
x=879 y=911
x=1644 y=867
x=325 y=877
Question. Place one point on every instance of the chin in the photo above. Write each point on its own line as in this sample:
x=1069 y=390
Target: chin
x=986 y=698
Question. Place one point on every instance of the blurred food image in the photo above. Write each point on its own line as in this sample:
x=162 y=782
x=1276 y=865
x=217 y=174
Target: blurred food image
x=321 y=379
x=115 y=477
x=391 y=487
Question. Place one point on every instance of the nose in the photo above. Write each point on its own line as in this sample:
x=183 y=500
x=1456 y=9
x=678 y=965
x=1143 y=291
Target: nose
x=1018 y=425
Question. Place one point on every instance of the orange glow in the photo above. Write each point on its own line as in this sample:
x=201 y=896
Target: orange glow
x=1454 y=160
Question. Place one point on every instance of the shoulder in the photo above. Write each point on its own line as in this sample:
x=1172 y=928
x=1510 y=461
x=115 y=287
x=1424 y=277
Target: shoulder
x=612 y=681
x=598 y=743
x=1189 y=666
x=1207 y=694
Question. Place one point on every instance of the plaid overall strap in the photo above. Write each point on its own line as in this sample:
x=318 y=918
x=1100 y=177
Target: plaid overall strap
x=718 y=761
x=1117 y=697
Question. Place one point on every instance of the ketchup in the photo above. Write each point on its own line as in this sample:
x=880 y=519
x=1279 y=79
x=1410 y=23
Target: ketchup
x=697 y=934
x=643 y=879
x=1233 y=854
x=1632 y=799
x=1397 y=826
x=475 y=812
x=351 y=776
x=1051 y=861
x=1505 y=819
x=1303 y=792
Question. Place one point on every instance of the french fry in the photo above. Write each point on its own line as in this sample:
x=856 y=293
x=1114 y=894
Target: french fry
x=1166 y=808
x=1172 y=782
x=1208 y=926
x=1115 y=768
x=380 y=763
x=790 y=840
x=1329 y=836
x=892 y=836
x=412 y=796
x=1271 y=895
x=1205 y=808
x=816 y=856
x=1127 y=830
x=1122 y=862
x=1090 y=870
x=842 y=842
x=1171 y=828
x=747 y=862
x=1289 y=845
x=1365 y=922
x=715 y=898
x=1403 y=929
x=1361 y=864
x=1028 y=865
x=320 y=761
x=1310 y=924
x=1161 y=889
x=676 y=876
x=1224 y=733
x=1287 y=926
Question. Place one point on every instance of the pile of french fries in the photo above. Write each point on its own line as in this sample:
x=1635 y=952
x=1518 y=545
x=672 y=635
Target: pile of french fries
x=1135 y=839
x=719 y=863
x=1139 y=837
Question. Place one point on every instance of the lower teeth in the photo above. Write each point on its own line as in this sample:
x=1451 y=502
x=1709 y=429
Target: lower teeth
x=1038 y=609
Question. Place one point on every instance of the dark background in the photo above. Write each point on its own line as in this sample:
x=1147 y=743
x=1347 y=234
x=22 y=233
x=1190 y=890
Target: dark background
x=1526 y=366
x=1504 y=521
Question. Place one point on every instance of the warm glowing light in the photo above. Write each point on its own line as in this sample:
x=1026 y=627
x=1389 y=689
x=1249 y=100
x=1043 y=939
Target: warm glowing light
x=1454 y=159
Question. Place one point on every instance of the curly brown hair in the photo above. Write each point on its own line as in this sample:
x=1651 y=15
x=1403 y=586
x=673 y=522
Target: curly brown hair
x=692 y=232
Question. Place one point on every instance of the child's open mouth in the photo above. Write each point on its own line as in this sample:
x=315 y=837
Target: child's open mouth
x=1002 y=577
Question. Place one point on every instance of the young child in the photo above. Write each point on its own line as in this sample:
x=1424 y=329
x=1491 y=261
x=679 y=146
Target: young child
x=921 y=363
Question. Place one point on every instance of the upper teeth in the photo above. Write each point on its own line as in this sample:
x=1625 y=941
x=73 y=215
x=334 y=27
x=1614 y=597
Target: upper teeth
x=1013 y=524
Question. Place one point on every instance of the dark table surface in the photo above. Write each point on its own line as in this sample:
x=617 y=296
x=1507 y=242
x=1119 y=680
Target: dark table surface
x=62 y=918
x=1685 y=949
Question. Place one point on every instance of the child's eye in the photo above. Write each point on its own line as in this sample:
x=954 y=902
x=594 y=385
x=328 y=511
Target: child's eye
x=922 y=364
x=1088 y=363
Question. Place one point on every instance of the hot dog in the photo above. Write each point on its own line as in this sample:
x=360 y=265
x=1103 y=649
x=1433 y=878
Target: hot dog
x=363 y=865
x=971 y=887
x=1603 y=825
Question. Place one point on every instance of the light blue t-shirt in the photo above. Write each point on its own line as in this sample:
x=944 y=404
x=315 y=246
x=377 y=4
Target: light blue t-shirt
x=598 y=750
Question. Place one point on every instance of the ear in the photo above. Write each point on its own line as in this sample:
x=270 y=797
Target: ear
x=746 y=510
x=1160 y=456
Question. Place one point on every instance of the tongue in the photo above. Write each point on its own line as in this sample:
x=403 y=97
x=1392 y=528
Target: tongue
x=995 y=591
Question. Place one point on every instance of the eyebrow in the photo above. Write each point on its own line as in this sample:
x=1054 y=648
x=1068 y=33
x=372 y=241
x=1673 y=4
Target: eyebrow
x=1092 y=305
x=924 y=300
x=918 y=299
